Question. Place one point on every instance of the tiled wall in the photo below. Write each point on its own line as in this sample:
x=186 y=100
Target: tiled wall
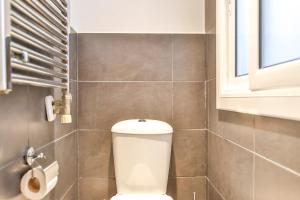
x=123 y=76
x=23 y=123
x=249 y=157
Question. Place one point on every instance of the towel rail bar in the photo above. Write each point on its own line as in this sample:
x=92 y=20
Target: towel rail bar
x=34 y=44
x=37 y=18
x=33 y=68
x=23 y=79
x=18 y=49
x=61 y=6
x=48 y=15
x=52 y=7
x=18 y=34
x=33 y=29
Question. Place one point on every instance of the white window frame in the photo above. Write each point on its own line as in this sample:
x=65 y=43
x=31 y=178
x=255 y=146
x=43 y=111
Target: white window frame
x=256 y=93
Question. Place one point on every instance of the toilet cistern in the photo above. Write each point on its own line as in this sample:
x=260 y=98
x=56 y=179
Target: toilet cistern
x=142 y=151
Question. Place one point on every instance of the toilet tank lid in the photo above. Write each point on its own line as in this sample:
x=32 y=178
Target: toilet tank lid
x=142 y=126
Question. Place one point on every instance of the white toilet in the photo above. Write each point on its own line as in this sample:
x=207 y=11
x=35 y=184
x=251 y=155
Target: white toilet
x=142 y=150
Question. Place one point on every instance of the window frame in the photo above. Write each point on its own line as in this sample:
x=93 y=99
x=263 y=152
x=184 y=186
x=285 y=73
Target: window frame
x=253 y=93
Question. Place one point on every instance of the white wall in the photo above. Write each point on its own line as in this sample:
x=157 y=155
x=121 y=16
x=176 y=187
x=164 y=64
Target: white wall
x=138 y=16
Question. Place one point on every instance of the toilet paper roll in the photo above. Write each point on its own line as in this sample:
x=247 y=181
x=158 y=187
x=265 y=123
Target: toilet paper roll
x=38 y=182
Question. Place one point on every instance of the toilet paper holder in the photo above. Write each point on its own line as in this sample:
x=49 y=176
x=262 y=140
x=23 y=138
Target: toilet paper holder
x=31 y=157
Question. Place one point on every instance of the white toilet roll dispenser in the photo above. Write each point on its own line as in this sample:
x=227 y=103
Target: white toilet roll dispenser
x=37 y=182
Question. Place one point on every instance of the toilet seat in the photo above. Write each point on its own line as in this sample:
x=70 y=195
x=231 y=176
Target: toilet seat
x=141 y=197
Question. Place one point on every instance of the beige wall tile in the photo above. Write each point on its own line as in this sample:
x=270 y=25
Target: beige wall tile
x=210 y=16
x=73 y=55
x=13 y=124
x=212 y=193
x=211 y=55
x=96 y=189
x=238 y=127
x=230 y=168
x=87 y=103
x=279 y=140
x=183 y=188
x=129 y=57
x=274 y=183
x=39 y=129
x=10 y=181
x=113 y=102
x=71 y=194
x=95 y=154
x=189 y=110
x=189 y=153
x=189 y=57
x=213 y=122
x=66 y=156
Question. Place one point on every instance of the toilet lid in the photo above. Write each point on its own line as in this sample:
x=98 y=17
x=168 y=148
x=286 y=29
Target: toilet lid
x=141 y=197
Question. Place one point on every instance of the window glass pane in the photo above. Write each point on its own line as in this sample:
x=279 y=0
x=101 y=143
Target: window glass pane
x=241 y=45
x=279 y=31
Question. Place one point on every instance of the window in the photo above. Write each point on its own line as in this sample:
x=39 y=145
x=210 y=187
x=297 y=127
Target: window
x=258 y=57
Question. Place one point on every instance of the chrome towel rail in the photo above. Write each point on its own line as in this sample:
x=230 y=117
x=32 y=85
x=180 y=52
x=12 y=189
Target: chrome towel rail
x=34 y=44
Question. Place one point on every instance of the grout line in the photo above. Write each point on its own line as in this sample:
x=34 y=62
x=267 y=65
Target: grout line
x=211 y=79
x=10 y=163
x=259 y=155
x=253 y=167
x=206 y=103
x=215 y=188
x=67 y=191
x=56 y=140
x=77 y=117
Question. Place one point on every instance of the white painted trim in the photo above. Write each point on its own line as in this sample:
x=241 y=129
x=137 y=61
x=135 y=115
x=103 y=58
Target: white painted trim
x=277 y=76
x=235 y=94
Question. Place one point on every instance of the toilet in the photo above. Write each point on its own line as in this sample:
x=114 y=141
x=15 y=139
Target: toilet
x=142 y=150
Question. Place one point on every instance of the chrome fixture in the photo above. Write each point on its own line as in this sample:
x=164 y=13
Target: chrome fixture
x=34 y=47
x=31 y=157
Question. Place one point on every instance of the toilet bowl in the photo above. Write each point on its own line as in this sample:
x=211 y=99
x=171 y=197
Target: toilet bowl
x=142 y=151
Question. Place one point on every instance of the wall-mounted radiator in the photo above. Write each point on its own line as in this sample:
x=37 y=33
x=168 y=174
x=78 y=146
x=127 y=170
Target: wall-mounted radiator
x=34 y=41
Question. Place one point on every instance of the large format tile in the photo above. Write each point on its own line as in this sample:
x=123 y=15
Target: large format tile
x=278 y=140
x=95 y=188
x=211 y=56
x=189 y=57
x=189 y=153
x=210 y=16
x=13 y=124
x=103 y=104
x=213 y=122
x=184 y=188
x=230 y=168
x=71 y=193
x=238 y=127
x=73 y=55
x=212 y=193
x=129 y=57
x=10 y=180
x=87 y=103
x=40 y=130
x=275 y=183
x=66 y=154
x=95 y=154
x=189 y=110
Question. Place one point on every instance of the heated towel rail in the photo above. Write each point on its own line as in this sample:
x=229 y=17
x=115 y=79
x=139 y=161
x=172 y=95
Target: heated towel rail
x=34 y=43
x=34 y=47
